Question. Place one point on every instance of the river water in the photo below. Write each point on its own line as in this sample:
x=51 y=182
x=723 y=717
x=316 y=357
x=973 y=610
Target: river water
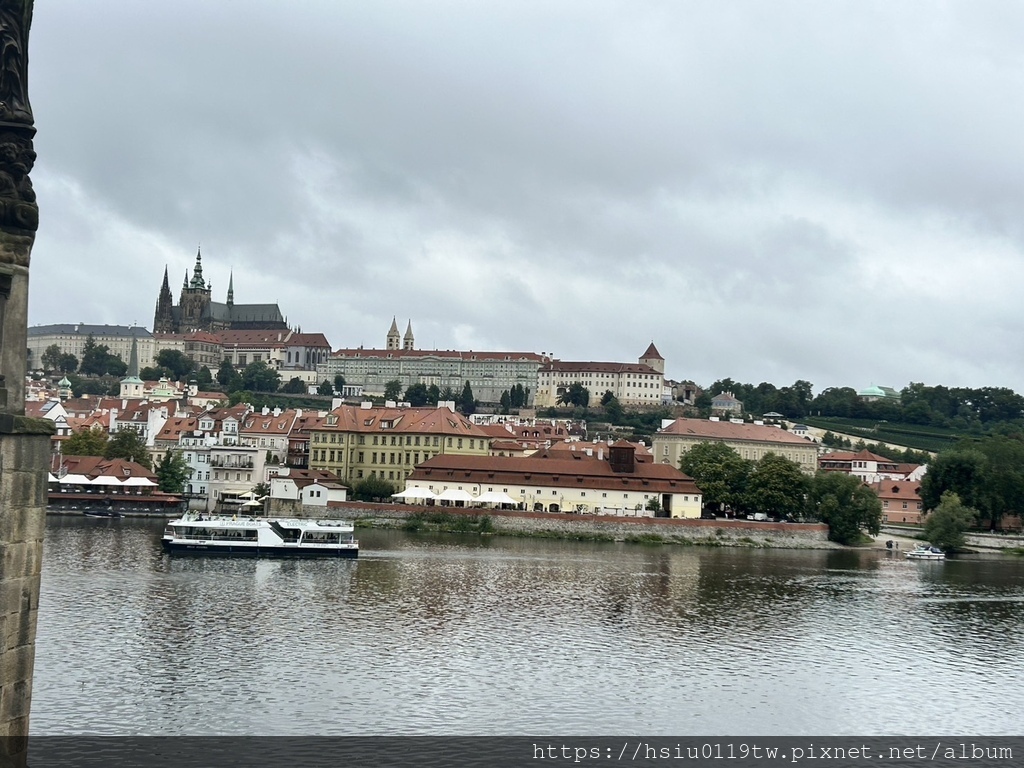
x=447 y=634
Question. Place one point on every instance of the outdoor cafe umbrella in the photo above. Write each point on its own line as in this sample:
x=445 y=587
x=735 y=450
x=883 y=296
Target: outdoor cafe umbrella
x=494 y=497
x=454 y=494
x=414 y=493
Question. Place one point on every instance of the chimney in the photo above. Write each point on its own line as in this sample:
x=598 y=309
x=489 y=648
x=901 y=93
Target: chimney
x=622 y=458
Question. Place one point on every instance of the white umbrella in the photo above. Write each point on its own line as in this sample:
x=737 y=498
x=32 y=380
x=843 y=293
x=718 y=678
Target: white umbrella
x=455 y=494
x=105 y=480
x=495 y=497
x=414 y=493
x=71 y=479
x=50 y=478
x=139 y=481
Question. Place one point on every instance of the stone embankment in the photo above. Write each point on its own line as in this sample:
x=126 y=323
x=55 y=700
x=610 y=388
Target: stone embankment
x=993 y=541
x=725 y=533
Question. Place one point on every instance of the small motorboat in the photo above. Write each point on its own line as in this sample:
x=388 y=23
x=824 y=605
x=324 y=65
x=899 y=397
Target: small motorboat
x=922 y=552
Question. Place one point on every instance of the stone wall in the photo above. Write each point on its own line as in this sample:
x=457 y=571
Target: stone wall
x=24 y=455
x=711 y=532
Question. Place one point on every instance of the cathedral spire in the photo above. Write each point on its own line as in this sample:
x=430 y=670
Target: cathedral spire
x=231 y=288
x=197 y=272
x=163 y=320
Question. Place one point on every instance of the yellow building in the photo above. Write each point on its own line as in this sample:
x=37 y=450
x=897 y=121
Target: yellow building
x=750 y=441
x=360 y=441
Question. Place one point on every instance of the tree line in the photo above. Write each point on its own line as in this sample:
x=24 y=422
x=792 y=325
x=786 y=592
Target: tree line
x=777 y=488
x=961 y=408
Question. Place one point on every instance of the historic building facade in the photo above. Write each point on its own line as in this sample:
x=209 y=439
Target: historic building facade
x=488 y=373
x=750 y=441
x=632 y=384
x=196 y=311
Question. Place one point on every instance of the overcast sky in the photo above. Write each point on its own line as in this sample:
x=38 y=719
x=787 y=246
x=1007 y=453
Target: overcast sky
x=768 y=191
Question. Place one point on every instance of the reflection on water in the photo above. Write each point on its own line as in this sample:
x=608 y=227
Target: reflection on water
x=446 y=634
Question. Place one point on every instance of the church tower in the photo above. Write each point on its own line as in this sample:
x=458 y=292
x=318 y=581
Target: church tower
x=394 y=340
x=195 y=299
x=653 y=358
x=132 y=385
x=163 y=319
x=408 y=341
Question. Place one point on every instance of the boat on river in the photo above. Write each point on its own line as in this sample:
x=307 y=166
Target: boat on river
x=922 y=552
x=203 y=533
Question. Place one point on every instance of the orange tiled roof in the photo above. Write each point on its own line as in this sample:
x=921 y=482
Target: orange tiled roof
x=434 y=421
x=726 y=430
x=572 y=472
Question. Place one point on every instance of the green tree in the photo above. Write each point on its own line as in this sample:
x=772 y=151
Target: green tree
x=447 y=395
x=153 y=374
x=204 y=378
x=128 y=444
x=68 y=363
x=945 y=527
x=505 y=401
x=260 y=490
x=719 y=472
x=393 y=390
x=172 y=472
x=226 y=374
x=294 y=386
x=417 y=395
x=576 y=395
x=612 y=407
x=433 y=394
x=177 y=362
x=339 y=383
x=326 y=389
x=80 y=386
x=964 y=471
x=97 y=360
x=115 y=366
x=51 y=358
x=260 y=377
x=373 y=489
x=87 y=443
x=467 y=403
x=846 y=505
x=777 y=487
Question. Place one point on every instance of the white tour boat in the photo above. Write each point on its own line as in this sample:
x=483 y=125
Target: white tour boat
x=922 y=552
x=264 y=536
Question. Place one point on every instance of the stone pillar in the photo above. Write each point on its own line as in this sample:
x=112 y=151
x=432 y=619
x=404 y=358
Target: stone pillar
x=24 y=443
x=24 y=454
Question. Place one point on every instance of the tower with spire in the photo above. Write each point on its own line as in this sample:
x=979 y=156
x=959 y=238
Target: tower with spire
x=195 y=298
x=196 y=310
x=394 y=339
x=408 y=342
x=653 y=358
x=132 y=385
x=163 y=320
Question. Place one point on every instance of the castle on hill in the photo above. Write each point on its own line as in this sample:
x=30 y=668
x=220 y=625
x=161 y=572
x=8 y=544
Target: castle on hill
x=196 y=311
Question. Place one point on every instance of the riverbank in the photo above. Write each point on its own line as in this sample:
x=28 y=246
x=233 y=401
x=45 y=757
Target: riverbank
x=643 y=530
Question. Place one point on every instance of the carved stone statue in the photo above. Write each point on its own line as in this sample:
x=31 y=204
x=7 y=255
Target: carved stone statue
x=19 y=215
